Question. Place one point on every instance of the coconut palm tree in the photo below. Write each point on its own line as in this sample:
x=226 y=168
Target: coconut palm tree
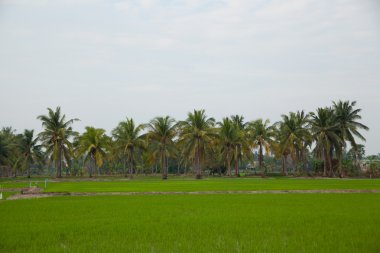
x=4 y=150
x=324 y=131
x=30 y=150
x=261 y=134
x=277 y=149
x=56 y=137
x=295 y=136
x=227 y=139
x=10 y=154
x=305 y=139
x=161 y=132
x=243 y=145
x=347 y=118
x=196 y=134
x=93 y=145
x=130 y=141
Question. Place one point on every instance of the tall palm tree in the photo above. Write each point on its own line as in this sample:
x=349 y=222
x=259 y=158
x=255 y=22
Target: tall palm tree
x=93 y=145
x=243 y=145
x=56 y=137
x=161 y=132
x=324 y=131
x=347 y=118
x=196 y=134
x=30 y=150
x=305 y=138
x=261 y=134
x=295 y=136
x=129 y=141
x=280 y=152
x=227 y=137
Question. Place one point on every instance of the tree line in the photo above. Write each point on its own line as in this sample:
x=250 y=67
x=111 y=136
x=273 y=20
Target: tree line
x=198 y=143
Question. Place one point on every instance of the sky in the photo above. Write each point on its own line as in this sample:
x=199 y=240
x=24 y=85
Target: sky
x=104 y=60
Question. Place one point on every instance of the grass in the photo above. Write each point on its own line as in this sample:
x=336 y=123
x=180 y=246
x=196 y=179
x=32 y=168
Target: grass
x=193 y=223
x=213 y=184
x=152 y=184
x=8 y=194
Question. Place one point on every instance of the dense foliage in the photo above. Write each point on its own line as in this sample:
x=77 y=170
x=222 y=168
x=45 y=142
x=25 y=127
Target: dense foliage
x=322 y=143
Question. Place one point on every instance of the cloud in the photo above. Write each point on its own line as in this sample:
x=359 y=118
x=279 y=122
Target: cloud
x=49 y=2
x=248 y=54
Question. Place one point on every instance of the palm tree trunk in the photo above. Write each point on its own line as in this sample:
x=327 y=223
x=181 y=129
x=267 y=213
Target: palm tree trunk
x=125 y=167
x=130 y=169
x=304 y=162
x=237 y=167
x=261 y=159
x=90 y=170
x=325 y=156
x=59 y=167
x=163 y=166
x=27 y=167
x=228 y=165
x=339 y=154
x=198 y=176
x=330 y=165
x=95 y=168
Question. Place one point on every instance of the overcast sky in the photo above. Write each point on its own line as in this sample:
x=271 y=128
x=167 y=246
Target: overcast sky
x=103 y=60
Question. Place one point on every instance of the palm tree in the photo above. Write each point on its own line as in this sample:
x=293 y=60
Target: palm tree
x=93 y=145
x=324 y=132
x=347 y=118
x=162 y=131
x=280 y=152
x=56 y=137
x=243 y=146
x=30 y=150
x=10 y=153
x=227 y=136
x=129 y=141
x=295 y=136
x=196 y=134
x=261 y=134
x=4 y=150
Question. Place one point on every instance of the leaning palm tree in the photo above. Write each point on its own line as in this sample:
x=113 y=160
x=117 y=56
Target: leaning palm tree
x=196 y=134
x=161 y=132
x=347 y=118
x=93 y=145
x=261 y=134
x=56 y=137
x=30 y=150
x=324 y=131
x=129 y=141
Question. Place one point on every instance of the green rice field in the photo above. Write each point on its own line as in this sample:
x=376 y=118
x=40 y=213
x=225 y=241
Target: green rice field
x=190 y=185
x=193 y=223
x=329 y=222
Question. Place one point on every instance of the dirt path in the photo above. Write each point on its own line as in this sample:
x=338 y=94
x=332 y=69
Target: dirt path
x=53 y=194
